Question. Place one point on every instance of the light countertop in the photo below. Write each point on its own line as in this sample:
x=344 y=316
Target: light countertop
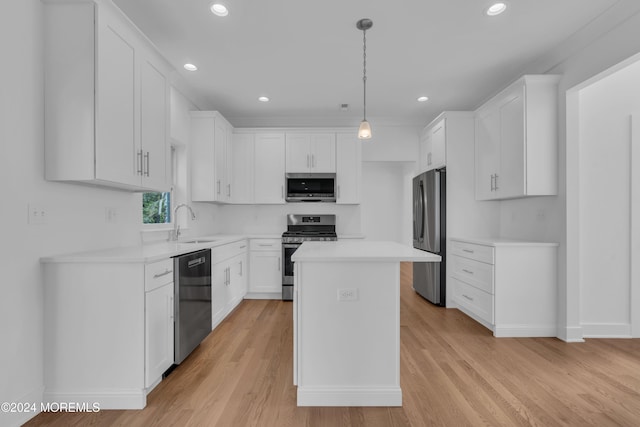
x=360 y=250
x=500 y=241
x=149 y=252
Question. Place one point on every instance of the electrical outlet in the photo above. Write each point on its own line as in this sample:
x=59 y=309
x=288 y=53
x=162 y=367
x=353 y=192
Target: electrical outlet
x=348 y=294
x=111 y=215
x=37 y=214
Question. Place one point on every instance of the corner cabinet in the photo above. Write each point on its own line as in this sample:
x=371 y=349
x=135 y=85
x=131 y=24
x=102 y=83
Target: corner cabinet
x=107 y=116
x=311 y=152
x=508 y=286
x=516 y=141
x=269 y=169
x=211 y=157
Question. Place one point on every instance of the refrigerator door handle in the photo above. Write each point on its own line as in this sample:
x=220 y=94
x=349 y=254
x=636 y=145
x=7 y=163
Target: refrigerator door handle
x=423 y=205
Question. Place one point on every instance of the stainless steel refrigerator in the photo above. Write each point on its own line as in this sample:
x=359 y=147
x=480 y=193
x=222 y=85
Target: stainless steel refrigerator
x=429 y=222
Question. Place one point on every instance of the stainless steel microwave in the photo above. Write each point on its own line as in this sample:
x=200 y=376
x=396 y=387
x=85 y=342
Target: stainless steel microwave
x=311 y=187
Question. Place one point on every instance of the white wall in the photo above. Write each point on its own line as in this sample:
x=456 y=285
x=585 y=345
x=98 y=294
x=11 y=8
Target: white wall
x=386 y=201
x=605 y=223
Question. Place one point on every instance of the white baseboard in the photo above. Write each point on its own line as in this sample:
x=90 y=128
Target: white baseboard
x=523 y=331
x=349 y=396
x=106 y=399
x=606 y=330
x=263 y=295
x=33 y=399
x=570 y=334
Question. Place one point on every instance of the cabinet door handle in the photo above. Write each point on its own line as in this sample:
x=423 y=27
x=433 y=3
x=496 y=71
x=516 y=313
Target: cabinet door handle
x=146 y=158
x=469 y=251
x=467 y=297
x=278 y=263
x=139 y=154
x=241 y=268
x=170 y=308
x=338 y=195
x=229 y=190
x=313 y=160
x=218 y=187
x=282 y=190
x=495 y=186
x=308 y=161
x=492 y=178
x=167 y=271
x=467 y=271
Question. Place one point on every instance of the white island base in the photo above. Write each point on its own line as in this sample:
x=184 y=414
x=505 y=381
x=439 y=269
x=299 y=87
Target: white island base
x=347 y=322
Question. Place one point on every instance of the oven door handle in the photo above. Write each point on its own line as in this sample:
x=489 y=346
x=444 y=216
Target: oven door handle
x=291 y=245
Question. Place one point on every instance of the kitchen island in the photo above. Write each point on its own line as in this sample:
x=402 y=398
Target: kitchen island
x=346 y=310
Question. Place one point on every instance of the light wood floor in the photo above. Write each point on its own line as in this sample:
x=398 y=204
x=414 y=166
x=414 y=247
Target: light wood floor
x=453 y=373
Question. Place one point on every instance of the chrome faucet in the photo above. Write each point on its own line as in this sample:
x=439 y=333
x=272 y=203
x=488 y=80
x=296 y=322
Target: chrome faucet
x=175 y=233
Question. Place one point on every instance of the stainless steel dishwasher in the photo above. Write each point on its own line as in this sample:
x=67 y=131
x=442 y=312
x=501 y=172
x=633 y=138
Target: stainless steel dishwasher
x=192 y=301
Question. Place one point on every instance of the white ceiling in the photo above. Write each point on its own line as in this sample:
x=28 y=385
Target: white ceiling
x=307 y=55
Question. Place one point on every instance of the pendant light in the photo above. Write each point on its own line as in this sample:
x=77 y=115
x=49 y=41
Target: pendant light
x=364 y=132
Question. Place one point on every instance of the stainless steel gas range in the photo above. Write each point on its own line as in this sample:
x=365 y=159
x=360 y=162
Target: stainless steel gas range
x=302 y=228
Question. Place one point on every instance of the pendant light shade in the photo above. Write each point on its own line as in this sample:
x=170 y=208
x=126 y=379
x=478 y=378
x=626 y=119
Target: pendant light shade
x=364 y=132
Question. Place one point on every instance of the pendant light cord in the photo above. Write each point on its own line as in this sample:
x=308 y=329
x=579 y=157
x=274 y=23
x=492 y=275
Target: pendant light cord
x=364 y=71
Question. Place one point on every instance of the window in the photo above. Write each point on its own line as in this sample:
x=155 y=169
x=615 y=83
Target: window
x=156 y=207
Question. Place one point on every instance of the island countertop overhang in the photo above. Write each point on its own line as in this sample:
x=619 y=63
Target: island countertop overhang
x=369 y=251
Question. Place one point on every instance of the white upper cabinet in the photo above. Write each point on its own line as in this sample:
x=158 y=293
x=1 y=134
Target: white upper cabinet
x=269 y=168
x=516 y=141
x=348 y=168
x=106 y=99
x=211 y=168
x=310 y=152
x=242 y=157
x=433 y=145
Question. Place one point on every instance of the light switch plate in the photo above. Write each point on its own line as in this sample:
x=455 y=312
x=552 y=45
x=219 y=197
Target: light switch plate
x=37 y=214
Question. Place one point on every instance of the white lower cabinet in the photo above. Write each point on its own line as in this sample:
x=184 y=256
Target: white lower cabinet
x=506 y=285
x=158 y=342
x=266 y=269
x=228 y=279
x=108 y=330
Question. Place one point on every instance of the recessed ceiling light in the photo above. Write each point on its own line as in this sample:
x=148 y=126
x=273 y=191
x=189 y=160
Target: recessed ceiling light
x=263 y=99
x=219 y=9
x=190 y=67
x=423 y=99
x=496 y=9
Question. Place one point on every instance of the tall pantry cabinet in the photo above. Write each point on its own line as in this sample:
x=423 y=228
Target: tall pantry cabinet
x=106 y=99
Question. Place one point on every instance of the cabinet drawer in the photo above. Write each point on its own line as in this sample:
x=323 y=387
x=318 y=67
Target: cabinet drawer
x=158 y=274
x=220 y=253
x=473 y=299
x=478 y=274
x=473 y=251
x=265 y=244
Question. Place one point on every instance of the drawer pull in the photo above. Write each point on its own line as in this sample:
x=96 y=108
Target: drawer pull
x=467 y=271
x=265 y=244
x=469 y=251
x=167 y=271
x=467 y=297
x=243 y=246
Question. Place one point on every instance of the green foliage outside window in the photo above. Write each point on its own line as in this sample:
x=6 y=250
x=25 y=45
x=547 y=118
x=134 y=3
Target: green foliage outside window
x=156 y=208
